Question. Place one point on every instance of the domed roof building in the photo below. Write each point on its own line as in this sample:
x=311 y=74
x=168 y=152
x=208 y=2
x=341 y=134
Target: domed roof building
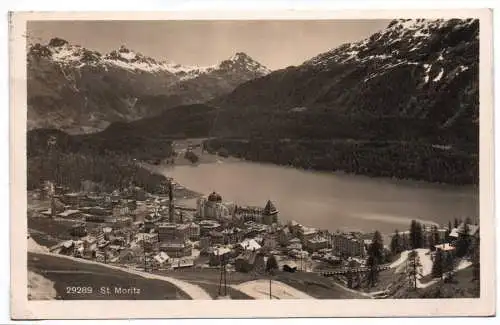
x=214 y=197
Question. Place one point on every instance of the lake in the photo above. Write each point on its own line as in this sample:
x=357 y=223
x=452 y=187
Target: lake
x=330 y=200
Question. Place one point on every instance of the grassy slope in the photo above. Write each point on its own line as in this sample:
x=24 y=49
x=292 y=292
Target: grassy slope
x=311 y=284
x=85 y=275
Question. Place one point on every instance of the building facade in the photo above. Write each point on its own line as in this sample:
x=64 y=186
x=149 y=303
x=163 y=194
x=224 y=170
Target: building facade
x=173 y=232
x=177 y=249
x=207 y=226
x=316 y=244
x=194 y=231
x=348 y=245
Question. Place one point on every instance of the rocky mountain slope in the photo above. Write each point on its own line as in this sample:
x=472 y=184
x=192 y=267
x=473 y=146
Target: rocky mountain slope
x=71 y=87
x=417 y=76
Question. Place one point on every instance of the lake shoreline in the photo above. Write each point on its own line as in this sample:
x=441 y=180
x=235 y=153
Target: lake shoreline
x=414 y=161
x=330 y=212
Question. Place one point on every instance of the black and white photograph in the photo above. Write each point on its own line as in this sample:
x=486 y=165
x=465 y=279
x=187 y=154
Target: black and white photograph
x=253 y=159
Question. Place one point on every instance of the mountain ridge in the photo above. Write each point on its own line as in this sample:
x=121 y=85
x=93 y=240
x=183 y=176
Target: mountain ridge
x=69 y=85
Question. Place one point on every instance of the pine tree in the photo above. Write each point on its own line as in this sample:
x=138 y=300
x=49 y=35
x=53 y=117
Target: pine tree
x=271 y=264
x=420 y=235
x=476 y=264
x=413 y=233
x=432 y=242
x=437 y=265
x=396 y=243
x=456 y=223
x=375 y=257
x=448 y=266
x=351 y=277
x=413 y=269
x=463 y=242
x=435 y=236
x=448 y=232
x=416 y=237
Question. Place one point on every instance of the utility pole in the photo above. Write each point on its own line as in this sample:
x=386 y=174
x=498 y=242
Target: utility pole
x=225 y=279
x=270 y=282
x=221 y=270
x=171 y=201
x=223 y=275
x=144 y=251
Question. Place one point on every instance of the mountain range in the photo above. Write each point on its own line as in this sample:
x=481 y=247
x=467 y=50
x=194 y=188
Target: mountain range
x=79 y=90
x=403 y=102
x=415 y=71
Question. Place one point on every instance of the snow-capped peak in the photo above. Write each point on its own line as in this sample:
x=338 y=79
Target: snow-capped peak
x=243 y=61
x=60 y=51
x=394 y=42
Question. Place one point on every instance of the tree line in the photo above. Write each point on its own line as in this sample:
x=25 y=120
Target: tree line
x=406 y=160
x=109 y=171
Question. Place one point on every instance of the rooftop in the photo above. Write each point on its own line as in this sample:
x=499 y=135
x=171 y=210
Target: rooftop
x=309 y=231
x=162 y=257
x=455 y=232
x=174 y=245
x=250 y=244
x=167 y=225
x=318 y=240
x=221 y=251
x=205 y=223
x=444 y=247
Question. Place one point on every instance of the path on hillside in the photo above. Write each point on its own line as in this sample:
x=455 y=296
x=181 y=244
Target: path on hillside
x=369 y=295
x=194 y=291
x=259 y=289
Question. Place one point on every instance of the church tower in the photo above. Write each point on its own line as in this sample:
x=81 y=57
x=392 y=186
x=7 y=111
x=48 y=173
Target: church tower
x=270 y=213
x=171 y=209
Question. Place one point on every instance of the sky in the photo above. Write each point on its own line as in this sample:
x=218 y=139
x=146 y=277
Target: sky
x=275 y=44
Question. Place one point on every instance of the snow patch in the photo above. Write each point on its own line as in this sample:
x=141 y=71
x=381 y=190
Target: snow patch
x=427 y=70
x=402 y=258
x=40 y=288
x=463 y=264
x=439 y=76
x=461 y=69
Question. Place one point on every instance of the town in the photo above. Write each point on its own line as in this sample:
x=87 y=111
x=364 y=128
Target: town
x=158 y=233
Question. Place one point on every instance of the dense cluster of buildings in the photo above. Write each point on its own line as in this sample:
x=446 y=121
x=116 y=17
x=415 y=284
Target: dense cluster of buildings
x=132 y=227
